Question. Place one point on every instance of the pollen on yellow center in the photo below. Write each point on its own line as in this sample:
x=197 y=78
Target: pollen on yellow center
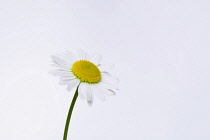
x=86 y=71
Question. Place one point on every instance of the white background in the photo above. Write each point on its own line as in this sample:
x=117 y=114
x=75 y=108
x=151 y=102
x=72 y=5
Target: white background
x=161 y=52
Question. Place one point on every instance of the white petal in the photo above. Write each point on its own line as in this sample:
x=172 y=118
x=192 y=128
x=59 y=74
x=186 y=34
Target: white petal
x=107 y=78
x=82 y=90
x=67 y=77
x=64 y=82
x=85 y=92
x=106 y=91
x=60 y=67
x=60 y=73
x=90 y=96
x=96 y=59
x=72 y=84
x=110 y=92
x=66 y=59
x=98 y=92
x=105 y=68
x=59 y=61
x=108 y=85
x=82 y=55
x=71 y=56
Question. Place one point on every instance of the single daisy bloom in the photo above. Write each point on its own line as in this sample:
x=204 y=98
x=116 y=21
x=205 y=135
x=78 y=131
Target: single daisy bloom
x=85 y=73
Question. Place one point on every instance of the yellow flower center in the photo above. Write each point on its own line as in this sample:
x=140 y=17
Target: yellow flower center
x=86 y=71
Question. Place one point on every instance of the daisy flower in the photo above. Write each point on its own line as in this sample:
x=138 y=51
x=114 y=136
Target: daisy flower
x=86 y=73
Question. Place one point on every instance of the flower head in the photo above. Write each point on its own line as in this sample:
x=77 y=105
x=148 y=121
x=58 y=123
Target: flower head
x=86 y=73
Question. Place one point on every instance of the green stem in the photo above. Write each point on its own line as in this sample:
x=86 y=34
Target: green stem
x=69 y=114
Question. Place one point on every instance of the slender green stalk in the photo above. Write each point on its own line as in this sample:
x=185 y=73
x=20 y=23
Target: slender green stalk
x=69 y=115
